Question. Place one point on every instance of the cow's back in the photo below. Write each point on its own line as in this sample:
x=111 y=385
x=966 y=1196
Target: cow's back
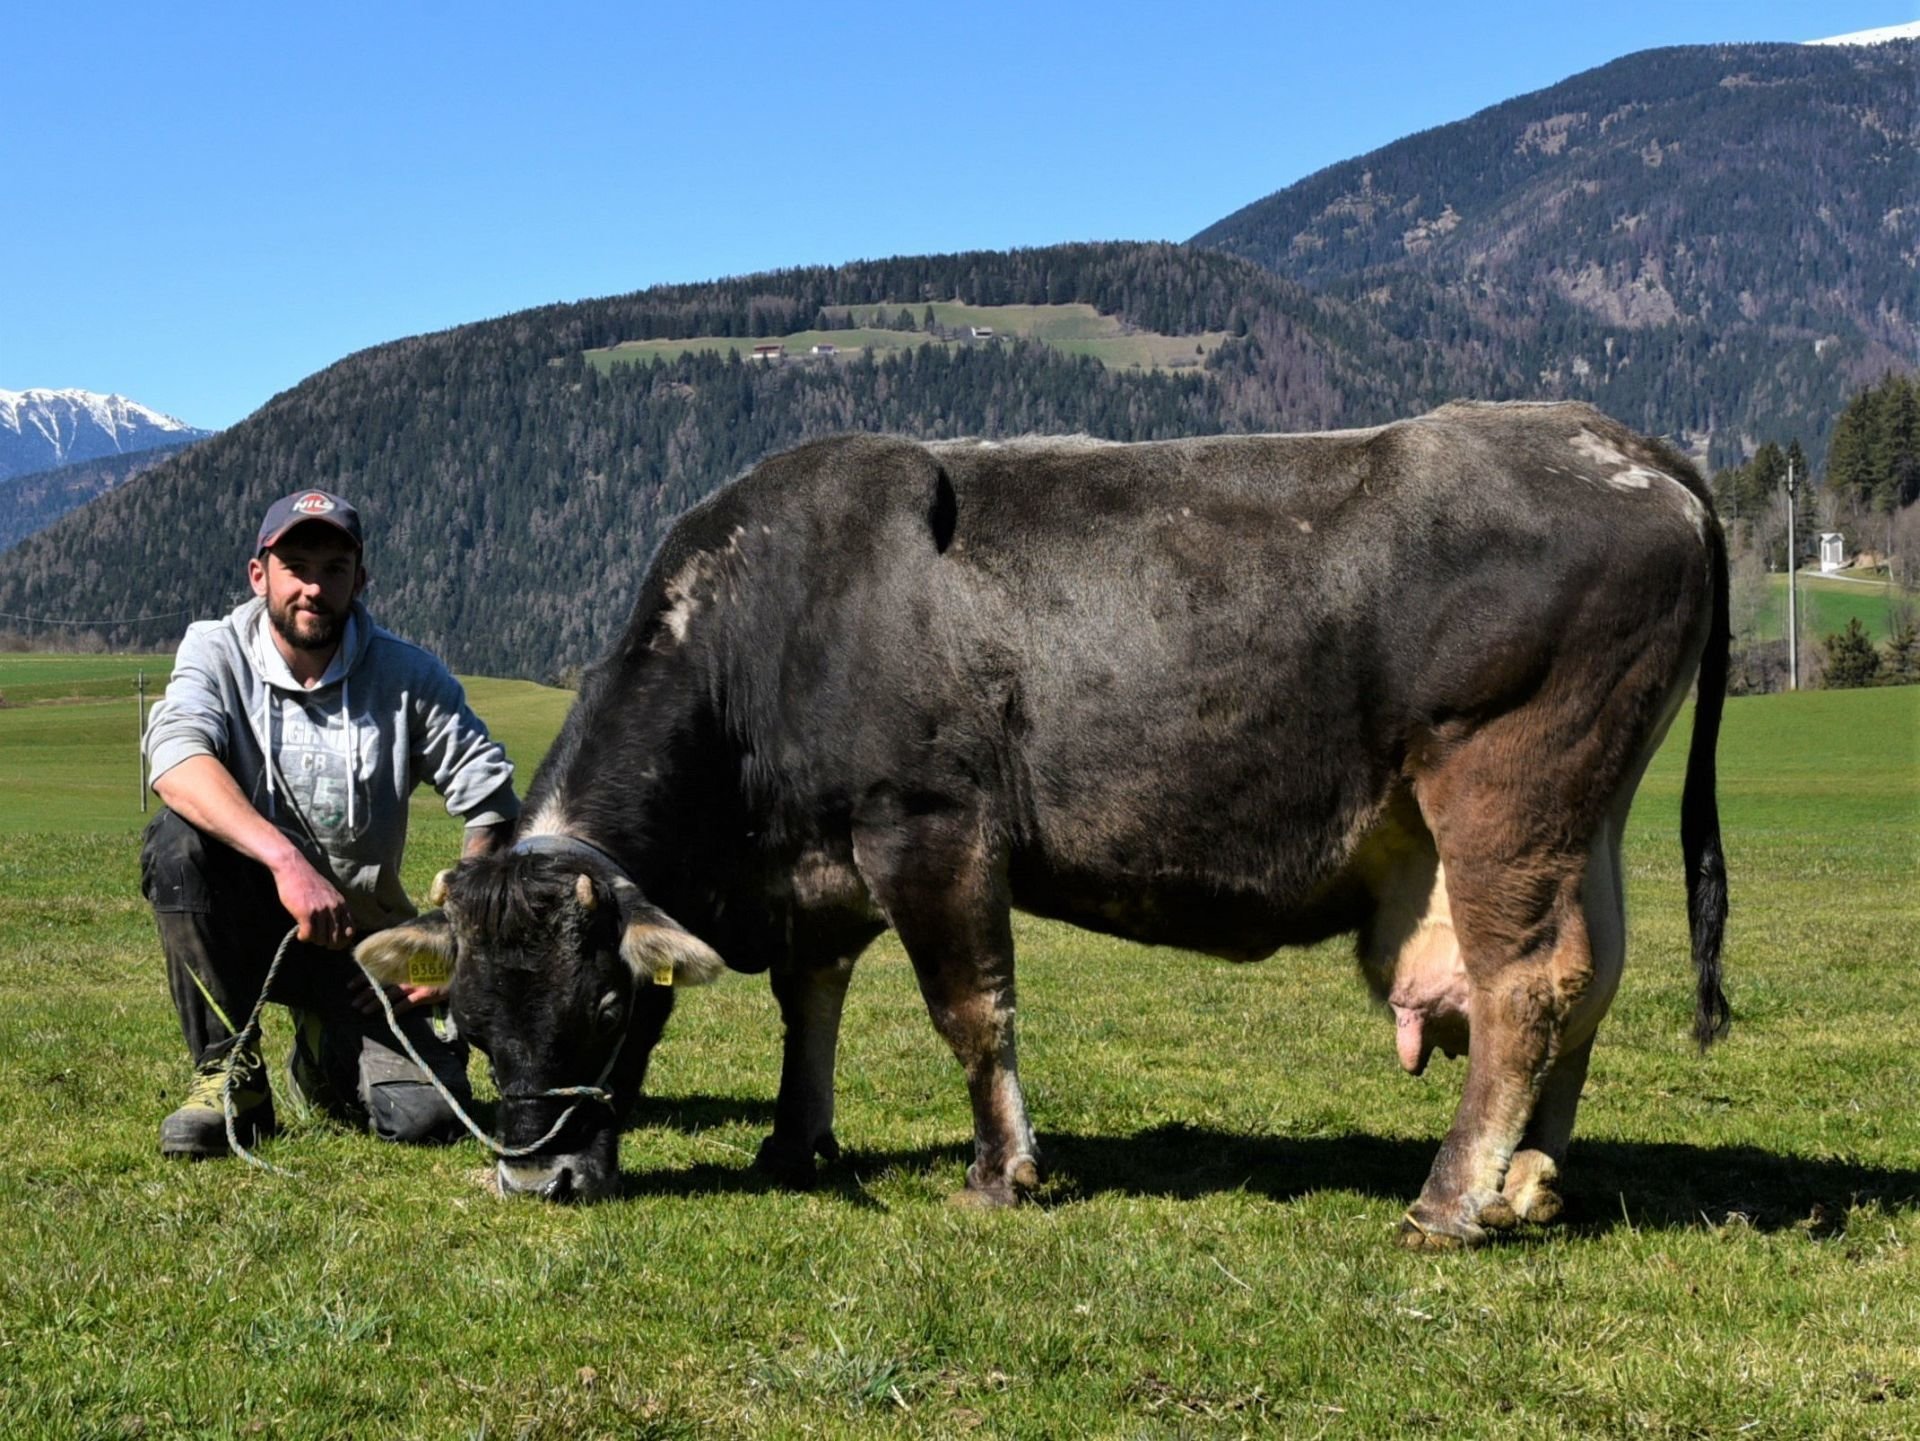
x=1184 y=677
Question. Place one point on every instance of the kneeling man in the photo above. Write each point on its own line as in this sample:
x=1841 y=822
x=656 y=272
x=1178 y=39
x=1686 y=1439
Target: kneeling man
x=290 y=737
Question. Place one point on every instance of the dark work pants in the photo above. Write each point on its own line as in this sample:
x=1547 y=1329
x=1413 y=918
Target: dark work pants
x=220 y=922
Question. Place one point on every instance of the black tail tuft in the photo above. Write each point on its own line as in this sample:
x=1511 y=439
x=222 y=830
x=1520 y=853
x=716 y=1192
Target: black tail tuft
x=943 y=512
x=1706 y=863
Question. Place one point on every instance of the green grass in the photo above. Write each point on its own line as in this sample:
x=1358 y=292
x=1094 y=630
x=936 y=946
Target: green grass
x=1826 y=606
x=1231 y=1149
x=1076 y=329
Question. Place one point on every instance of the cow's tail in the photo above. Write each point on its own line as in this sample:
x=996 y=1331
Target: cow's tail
x=1706 y=863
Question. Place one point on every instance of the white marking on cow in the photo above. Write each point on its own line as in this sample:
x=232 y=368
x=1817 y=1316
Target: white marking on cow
x=688 y=591
x=1694 y=507
x=1622 y=472
x=1619 y=470
x=549 y=820
x=1306 y=526
x=683 y=602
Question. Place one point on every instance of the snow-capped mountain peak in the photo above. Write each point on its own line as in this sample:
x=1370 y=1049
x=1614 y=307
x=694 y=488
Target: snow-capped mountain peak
x=1880 y=36
x=42 y=428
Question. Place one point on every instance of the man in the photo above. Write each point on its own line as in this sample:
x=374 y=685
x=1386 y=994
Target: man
x=290 y=737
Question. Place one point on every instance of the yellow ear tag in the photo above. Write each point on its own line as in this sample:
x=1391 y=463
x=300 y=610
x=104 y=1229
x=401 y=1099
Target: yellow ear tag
x=428 y=968
x=663 y=973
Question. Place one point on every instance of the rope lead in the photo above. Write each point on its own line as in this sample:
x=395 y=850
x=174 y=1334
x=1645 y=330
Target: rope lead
x=249 y=1036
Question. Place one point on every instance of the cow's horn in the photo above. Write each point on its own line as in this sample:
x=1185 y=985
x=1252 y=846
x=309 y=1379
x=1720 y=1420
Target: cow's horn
x=437 y=892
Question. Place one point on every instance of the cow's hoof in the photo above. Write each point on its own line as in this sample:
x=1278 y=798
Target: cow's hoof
x=1010 y=1188
x=1542 y=1207
x=1498 y=1215
x=785 y=1165
x=1531 y=1190
x=1435 y=1228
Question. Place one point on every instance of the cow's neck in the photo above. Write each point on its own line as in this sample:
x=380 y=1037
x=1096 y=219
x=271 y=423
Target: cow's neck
x=634 y=773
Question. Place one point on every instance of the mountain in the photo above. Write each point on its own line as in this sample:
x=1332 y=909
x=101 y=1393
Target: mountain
x=1878 y=36
x=45 y=429
x=513 y=488
x=1714 y=241
x=31 y=503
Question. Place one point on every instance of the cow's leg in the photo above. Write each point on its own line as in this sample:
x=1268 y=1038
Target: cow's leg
x=1532 y=1180
x=945 y=889
x=1523 y=938
x=1531 y=1187
x=811 y=996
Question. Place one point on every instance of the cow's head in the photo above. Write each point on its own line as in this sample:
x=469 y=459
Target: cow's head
x=564 y=976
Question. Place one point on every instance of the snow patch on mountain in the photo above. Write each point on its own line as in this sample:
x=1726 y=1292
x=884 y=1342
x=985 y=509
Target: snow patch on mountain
x=41 y=429
x=1881 y=36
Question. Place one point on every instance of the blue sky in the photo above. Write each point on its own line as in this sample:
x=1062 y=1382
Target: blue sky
x=208 y=202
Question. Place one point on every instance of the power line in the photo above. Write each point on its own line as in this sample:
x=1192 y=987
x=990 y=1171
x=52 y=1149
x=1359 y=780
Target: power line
x=117 y=620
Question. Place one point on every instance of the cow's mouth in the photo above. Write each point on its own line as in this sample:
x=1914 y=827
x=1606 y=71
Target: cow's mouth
x=556 y=1178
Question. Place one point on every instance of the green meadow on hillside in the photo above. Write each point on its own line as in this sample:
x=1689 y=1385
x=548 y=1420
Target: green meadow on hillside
x=1826 y=605
x=1076 y=329
x=1230 y=1147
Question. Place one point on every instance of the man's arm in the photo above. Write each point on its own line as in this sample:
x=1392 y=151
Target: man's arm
x=485 y=840
x=202 y=792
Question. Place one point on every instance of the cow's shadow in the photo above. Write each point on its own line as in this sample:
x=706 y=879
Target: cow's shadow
x=1641 y=1185
x=698 y=1113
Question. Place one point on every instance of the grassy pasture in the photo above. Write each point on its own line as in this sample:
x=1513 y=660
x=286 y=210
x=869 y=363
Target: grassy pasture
x=1826 y=605
x=1231 y=1147
x=1077 y=329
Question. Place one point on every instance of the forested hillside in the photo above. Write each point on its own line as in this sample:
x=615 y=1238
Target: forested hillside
x=32 y=502
x=513 y=492
x=1718 y=242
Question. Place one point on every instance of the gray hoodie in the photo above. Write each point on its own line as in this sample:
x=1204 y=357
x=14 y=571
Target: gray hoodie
x=386 y=716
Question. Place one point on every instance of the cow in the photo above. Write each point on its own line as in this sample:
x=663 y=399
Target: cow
x=1227 y=694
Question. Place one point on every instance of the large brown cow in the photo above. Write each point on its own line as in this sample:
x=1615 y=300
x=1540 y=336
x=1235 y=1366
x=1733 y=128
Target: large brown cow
x=1229 y=694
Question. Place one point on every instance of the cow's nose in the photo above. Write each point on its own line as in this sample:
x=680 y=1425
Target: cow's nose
x=549 y=1184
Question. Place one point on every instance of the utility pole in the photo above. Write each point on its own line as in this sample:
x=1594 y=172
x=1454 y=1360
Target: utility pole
x=1793 y=593
x=140 y=732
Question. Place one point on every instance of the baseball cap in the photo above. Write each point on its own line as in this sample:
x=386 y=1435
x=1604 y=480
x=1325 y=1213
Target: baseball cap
x=305 y=505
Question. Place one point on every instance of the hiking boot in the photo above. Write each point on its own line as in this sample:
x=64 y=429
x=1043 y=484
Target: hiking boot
x=317 y=1078
x=198 y=1130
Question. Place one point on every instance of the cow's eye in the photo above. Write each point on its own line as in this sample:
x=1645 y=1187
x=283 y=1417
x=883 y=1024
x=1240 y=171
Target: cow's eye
x=610 y=1013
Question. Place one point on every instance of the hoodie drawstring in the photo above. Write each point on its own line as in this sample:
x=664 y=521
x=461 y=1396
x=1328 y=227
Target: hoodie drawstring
x=266 y=740
x=352 y=744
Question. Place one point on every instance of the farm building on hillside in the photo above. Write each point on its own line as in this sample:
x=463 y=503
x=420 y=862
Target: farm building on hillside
x=982 y=332
x=1833 y=551
x=826 y=347
x=770 y=352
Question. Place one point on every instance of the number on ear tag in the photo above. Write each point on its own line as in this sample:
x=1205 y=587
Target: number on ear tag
x=428 y=968
x=663 y=973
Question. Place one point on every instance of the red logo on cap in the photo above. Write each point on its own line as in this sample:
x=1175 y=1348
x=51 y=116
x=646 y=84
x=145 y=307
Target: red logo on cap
x=313 y=503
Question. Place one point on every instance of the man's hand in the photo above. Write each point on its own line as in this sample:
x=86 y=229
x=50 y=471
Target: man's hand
x=315 y=904
x=201 y=792
x=402 y=998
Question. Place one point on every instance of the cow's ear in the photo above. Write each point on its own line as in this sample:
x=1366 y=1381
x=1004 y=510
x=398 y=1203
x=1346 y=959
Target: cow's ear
x=659 y=949
x=418 y=952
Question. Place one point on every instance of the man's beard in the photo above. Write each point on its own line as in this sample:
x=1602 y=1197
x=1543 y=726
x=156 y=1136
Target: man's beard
x=322 y=636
